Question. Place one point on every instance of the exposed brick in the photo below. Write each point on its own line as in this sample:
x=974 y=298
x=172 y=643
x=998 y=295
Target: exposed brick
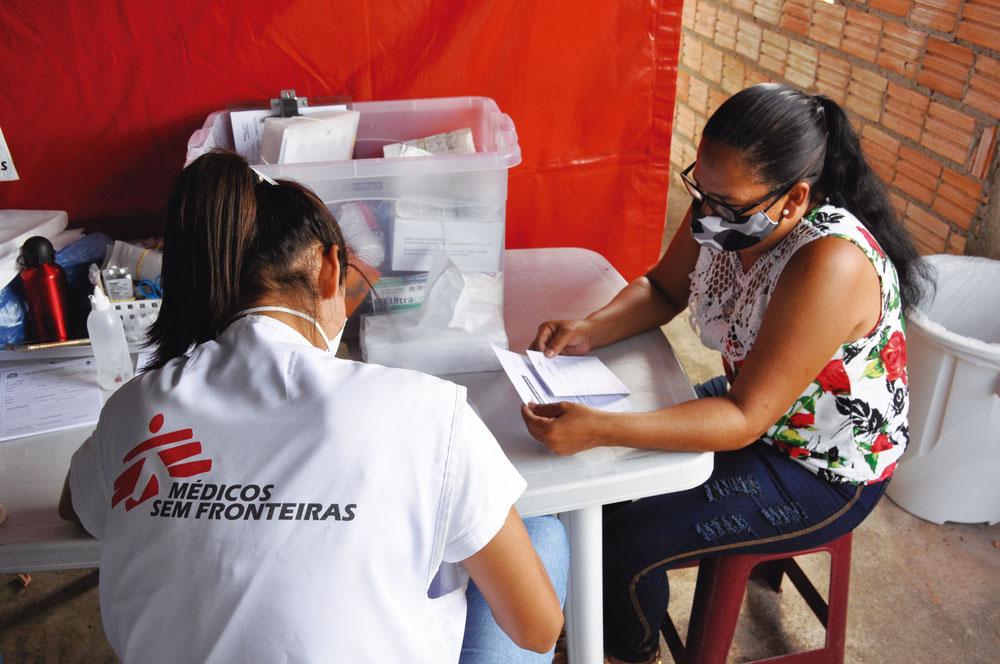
x=865 y=93
x=704 y=20
x=861 y=34
x=956 y=244
x=745 y=6
x=985 y=151
x=945 y=67
x=802 y=62
x=773 y=52
x=984 y=87
x=715 y=99
x=948 y=132
x=684 y=121
x=687 y=16
x=897 y=7
x=754 y=76
x=768 y=11
x=797 y=16
x=689 y=154
x=681 y=93
x=958 y=197
x=691 y=52
x=956 y=214
x=698 y=96
x=898 y=204
x=881 y=150
x=980 y=23
x=916 y=175
x=833 y=73
x=748 y=39
x=905 y=110
x=726 y=25
x=900 y=49
x=929 y=231
x=827 y=25
x=711 y=63
x=676 y=151
x=936 y=14
x=732 y=74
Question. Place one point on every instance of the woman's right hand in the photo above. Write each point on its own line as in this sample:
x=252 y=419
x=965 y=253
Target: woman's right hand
x=569 y=337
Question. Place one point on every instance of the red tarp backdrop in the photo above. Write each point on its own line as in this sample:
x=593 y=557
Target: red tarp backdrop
x=98 y=98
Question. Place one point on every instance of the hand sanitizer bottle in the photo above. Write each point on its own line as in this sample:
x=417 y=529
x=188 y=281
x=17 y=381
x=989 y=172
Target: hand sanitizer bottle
x=107 y=338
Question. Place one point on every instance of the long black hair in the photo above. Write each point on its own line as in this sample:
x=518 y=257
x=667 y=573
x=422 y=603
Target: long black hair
x=229 y=239
x=785 y=135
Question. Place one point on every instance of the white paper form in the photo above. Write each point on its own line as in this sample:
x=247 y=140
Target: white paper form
x=531 y=389
x=575 y=376
x=39 y=398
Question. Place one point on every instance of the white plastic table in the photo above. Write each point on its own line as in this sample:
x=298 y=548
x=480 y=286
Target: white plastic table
x=547 y=284
x=541 y=284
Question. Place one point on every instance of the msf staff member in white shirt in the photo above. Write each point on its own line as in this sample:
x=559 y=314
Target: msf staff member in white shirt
x=260 y=500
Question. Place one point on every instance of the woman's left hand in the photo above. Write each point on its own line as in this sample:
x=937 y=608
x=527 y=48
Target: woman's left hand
x=565 y=428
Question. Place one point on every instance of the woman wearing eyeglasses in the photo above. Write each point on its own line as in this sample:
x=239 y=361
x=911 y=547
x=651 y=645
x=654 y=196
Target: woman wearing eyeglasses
x=797 y=271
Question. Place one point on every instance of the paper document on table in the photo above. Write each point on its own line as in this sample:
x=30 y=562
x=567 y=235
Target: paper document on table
x=531 y=389
x=39 y=398
x=575 y=376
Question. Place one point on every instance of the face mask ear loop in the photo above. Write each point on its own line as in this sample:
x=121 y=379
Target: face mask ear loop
x=293 y=312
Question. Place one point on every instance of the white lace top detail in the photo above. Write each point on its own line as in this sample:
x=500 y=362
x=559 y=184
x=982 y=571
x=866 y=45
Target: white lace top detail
x=727 y=304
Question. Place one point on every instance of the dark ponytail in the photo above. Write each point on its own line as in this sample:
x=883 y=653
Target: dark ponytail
x=230 y=239
x=847 y=181
x=211 y=221
x=787 y=135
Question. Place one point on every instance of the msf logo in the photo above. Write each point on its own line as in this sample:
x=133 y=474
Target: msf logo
x=176 y=448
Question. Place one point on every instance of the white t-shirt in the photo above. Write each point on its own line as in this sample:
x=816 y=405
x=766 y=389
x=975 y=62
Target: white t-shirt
x=264 y=501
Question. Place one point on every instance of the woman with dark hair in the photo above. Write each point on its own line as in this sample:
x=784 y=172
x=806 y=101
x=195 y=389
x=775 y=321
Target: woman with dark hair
x=796 y=270
x=261 y=500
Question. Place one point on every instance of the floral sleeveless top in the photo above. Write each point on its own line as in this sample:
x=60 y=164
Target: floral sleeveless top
x=850 y=423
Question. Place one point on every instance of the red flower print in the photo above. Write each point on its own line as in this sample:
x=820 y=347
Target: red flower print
x=872 y=241
x=887 y=473
x=833 y=378
x=791 y=450
x=881 y=444
x=894 y=357
x=801 y=420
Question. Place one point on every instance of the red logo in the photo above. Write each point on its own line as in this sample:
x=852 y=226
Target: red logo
x=174 y=459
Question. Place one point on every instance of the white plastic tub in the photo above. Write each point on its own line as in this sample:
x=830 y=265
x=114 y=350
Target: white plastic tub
x=951 y=469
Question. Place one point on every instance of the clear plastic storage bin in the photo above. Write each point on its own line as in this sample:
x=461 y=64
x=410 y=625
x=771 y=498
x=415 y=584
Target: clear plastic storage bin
x=455 y=203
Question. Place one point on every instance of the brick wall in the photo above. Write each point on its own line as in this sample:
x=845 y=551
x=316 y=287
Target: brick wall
x=920 y=80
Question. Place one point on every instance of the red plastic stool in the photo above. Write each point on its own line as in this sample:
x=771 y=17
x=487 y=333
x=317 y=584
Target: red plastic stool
x=718 y=597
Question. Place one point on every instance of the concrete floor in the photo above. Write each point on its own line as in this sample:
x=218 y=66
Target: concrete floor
x=920 y=592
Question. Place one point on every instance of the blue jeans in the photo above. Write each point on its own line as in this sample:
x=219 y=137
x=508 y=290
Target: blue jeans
x=756 y=500
x=485 y=642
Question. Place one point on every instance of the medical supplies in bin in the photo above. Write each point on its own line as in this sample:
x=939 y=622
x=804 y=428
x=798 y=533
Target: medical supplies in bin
x=453 y=203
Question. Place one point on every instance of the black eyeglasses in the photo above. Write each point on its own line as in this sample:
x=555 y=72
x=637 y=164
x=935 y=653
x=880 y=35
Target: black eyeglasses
x=727 y=212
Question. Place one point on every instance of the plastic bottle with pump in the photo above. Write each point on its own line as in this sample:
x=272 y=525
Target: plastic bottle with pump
x=107 y=339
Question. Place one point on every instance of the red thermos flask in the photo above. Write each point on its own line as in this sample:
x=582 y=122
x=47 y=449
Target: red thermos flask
x=44 y=284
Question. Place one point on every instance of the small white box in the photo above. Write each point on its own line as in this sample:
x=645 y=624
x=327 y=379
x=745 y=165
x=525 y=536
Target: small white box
x=326 y=136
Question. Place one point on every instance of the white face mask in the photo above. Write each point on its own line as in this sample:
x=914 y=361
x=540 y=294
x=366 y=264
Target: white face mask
x=331 y=345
